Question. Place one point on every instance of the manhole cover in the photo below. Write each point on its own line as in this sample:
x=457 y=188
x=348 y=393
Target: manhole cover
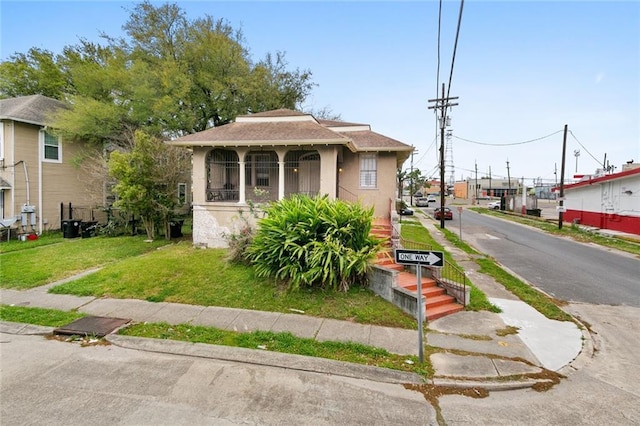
x=92 y=326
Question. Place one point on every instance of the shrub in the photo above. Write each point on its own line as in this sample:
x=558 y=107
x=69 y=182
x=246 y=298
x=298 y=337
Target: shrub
x=314 y=242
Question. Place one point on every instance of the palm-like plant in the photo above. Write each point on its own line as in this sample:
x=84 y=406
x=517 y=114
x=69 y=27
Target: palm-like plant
x=313 y=241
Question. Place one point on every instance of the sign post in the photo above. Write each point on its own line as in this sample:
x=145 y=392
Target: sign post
x=460 y=220
x=419 y=258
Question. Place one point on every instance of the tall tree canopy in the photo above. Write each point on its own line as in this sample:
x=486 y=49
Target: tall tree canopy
x=169 y=76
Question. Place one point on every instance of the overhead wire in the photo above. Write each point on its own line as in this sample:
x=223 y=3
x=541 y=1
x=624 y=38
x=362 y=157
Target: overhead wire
x=511 y=143
x=455 y=47
x=583 y=147
x=438 y=63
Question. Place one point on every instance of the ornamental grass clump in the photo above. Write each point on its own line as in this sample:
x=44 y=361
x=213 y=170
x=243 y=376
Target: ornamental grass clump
x=314 y=242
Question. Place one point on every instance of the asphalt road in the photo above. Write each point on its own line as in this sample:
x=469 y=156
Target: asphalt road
x=48 y=382
x=603 y=392
x=561 y=267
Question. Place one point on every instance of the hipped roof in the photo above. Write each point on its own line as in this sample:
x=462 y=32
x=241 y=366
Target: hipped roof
x=287 y=127
x=33 y=109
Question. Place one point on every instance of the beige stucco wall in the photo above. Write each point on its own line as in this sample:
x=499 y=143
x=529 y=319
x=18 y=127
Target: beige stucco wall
x=380 y=197
x=213 y=222
x=50 y=183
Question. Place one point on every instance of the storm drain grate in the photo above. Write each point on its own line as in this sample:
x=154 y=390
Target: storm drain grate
x=92 y=326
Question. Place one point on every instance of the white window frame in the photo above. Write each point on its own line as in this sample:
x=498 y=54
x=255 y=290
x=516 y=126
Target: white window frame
x=182 y=194
x=43 y=140
x=368 y=170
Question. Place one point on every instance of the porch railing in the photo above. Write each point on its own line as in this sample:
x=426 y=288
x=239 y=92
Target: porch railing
x=346 y=195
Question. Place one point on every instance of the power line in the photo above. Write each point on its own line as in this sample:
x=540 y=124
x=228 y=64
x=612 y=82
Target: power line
x=428 y=149
x=455 y=47
x=439 y=26
x=508 y=144
x=583 y=147
x=438 y=59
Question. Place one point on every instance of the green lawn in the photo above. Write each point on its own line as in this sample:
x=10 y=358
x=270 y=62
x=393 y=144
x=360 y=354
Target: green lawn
x=181 y=273
x=28 y=264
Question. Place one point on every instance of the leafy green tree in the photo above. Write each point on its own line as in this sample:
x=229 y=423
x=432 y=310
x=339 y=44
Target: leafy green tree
x=416 y=181
x=314 y=242
x=169 y=76
x=36 y=72
x=147 y=181
x=401 y=177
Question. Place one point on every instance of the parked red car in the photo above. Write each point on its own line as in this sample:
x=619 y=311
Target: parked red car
x=448 y=214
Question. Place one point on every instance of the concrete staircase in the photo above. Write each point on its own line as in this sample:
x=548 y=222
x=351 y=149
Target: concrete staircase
x=437 y=303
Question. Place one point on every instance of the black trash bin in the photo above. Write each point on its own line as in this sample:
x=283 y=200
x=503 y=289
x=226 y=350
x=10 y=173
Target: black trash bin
x=175 y=228
x=88 y=228
x=71 y=228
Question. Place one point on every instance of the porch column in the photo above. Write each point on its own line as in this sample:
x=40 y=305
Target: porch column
x=282 y=152
x=241 y=195
x=280 y=180
x=329 y=171
x=242 y=152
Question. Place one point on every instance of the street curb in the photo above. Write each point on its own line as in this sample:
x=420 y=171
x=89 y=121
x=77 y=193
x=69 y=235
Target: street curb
x=490 y=385
x=24 y=329
x=267 y=358
x=276 y=359
x=585 y=355
x=234 y=354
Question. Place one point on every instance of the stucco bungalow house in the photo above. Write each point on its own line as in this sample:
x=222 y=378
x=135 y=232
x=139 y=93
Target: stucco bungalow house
x=273 y=154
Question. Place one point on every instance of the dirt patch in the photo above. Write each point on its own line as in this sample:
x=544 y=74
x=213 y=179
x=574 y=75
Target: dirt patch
x=83 y=341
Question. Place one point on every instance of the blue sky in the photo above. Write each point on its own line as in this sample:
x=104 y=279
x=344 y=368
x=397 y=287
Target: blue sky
x=522 y=70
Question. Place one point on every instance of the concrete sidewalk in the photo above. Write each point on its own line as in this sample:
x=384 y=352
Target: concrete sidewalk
x=469 y=348
x=473 y=354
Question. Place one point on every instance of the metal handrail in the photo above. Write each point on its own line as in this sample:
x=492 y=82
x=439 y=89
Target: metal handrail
x=345 y=195
x=448 y=273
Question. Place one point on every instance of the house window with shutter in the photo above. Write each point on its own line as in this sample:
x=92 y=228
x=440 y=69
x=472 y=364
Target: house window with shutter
x=368 y=170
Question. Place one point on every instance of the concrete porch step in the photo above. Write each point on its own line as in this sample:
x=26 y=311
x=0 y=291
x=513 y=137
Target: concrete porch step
x=443 y=310
x=441 y=300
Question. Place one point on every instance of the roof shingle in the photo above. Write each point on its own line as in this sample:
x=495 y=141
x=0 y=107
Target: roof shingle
x=34 y=109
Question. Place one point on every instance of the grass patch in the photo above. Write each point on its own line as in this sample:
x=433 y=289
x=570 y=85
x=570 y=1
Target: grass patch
x=282 y=342
x=45 y=239
x=181 y=273
x=510 y=329
x=37 y=316
x=37 y=265
x=539 y=301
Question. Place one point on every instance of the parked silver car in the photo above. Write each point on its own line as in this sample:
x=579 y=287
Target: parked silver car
x=422 y=202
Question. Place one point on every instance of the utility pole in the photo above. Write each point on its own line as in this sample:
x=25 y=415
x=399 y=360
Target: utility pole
x=490 y=192
x=509 y=177
x=411 y=186
x=476 y=187
x=564 y=154
x=442 y=104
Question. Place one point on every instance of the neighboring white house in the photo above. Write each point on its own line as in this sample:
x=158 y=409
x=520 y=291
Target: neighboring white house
x=273 y=154
x=606 y=202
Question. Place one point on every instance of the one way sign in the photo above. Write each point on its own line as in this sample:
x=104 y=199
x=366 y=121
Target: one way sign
x=419 y=257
